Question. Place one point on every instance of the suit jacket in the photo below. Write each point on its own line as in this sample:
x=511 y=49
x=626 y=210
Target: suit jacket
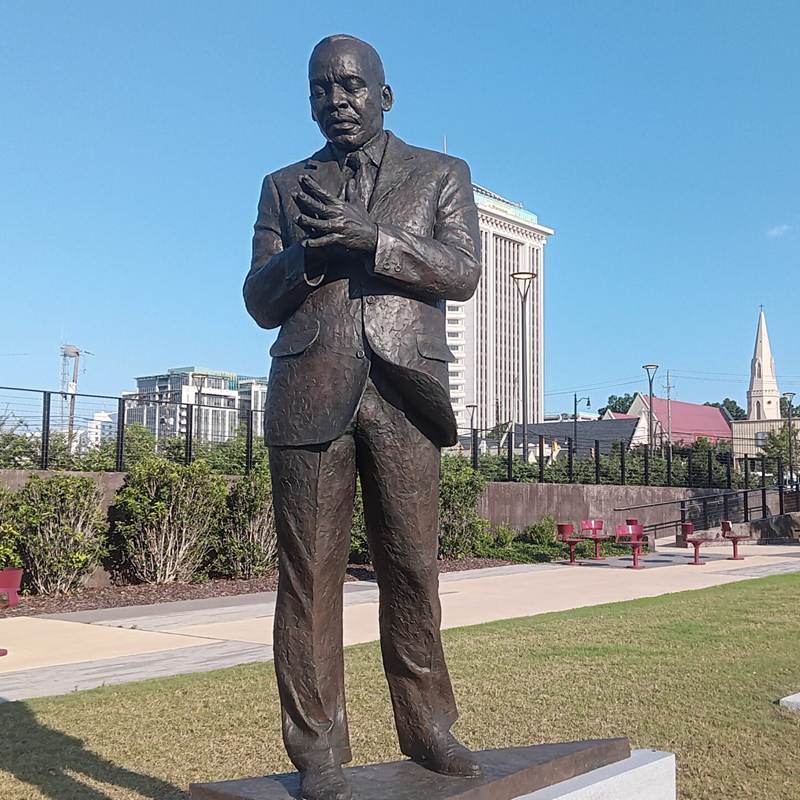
x=392 y=304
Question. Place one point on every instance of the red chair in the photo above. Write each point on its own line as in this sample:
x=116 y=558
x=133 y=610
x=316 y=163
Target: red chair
x=734 y=538
x=593 y=529
x=631 y=536
x=566 y=533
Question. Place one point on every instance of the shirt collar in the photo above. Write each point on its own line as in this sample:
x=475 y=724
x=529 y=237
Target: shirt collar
x=374 y=149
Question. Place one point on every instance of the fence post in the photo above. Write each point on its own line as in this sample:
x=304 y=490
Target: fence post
x=622 y=475
x=683 y=511
x=510 y=465
x=541 y=458
x=764 y=508
x=781 y=495
x=647 y=467
x=729 y=471
x=597 y=461
x=710 y=470
x=689 y=464
x=746 y=472
x=570 y=462
x=705 y=513
x=45 y=460
x=248 y=442
x=187 y=458
x=669 y=467
x=120 y=465
x=746 y=509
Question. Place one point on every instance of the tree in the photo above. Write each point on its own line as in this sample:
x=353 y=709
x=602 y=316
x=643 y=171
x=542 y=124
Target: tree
x=785 y=409
x=777 y=445
x=731 y=406
x=619 y=404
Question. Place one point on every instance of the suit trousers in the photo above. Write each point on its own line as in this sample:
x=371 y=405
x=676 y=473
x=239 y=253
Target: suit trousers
x=313 y=495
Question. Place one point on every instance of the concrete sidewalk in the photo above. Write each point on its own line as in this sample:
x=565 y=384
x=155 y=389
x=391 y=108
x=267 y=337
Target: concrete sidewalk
x=63 y=653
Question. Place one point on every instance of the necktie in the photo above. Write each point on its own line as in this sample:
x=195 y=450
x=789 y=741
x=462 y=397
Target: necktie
x=355 y=177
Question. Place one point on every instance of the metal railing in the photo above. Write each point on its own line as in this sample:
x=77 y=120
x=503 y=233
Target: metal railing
x=42 y=429
x=554 y=459
x=707 y=511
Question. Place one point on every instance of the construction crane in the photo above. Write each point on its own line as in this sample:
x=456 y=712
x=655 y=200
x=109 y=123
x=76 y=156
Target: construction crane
x=70 y=369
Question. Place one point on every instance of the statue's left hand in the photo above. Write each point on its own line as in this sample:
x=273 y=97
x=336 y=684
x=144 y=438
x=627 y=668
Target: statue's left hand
x=330 y=221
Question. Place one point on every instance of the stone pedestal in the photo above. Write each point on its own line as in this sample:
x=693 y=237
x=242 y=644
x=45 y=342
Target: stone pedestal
x=511 y=773
x=646 y=775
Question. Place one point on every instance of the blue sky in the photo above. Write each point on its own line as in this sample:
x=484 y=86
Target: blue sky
x=659 y=139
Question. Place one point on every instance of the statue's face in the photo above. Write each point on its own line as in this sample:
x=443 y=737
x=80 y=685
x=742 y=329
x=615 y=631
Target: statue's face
x=348 y=97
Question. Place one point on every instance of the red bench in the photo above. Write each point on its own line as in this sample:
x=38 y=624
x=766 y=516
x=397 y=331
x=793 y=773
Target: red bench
x=734 y=538
x=631 y=536
x=566 y=534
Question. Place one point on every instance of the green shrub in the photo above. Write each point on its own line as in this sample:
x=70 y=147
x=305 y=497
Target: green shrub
x=542 y=533
x=166 y=518
x=248 y=542
x=462 y=532
x=9 y=530
x=62 y=531
x=504 y=536
x=359 y=546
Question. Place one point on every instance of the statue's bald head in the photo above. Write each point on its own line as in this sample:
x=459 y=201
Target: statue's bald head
x=342 y=43
x=348 y=89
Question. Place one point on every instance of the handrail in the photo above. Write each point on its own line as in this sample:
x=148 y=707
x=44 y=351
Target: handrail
x=719 y=497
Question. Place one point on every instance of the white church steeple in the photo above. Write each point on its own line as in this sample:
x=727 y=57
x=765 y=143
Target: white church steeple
x=764 y=398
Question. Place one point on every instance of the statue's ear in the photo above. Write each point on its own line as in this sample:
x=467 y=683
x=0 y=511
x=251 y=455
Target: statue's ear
x=387 y=98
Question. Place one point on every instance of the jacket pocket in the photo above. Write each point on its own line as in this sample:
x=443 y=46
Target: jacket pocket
x=294 y=342
x=434 y=347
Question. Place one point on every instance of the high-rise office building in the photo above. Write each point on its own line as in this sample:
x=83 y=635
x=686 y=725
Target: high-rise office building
x=220 y=402
x=485 y=333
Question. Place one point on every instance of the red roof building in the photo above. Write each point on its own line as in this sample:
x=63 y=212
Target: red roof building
x=682 y=422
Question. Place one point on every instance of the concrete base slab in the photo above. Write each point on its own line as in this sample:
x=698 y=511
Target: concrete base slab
x=792 y=702
x=646 y=775
x=511 y=773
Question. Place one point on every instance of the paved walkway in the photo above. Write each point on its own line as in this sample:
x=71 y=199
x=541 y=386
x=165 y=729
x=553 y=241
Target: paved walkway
x=62 y=653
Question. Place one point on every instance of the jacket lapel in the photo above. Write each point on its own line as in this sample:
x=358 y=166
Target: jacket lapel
x=324 y=169
x=394 y=170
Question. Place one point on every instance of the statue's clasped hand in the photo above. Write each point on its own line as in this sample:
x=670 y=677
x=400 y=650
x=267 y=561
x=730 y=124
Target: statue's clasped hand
x=328 y=220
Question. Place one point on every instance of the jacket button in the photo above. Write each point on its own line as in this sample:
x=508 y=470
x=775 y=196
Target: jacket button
x=359 y=354
x=370 y=299
x=397 y=268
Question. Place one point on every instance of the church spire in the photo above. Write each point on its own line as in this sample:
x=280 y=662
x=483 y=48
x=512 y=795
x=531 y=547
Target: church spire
x=764 y=398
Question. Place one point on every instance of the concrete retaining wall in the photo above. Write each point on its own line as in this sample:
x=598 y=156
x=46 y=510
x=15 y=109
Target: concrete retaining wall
x=520 y=504
x=109 y=482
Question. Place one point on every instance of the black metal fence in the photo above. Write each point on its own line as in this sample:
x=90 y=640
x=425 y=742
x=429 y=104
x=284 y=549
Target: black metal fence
x=55 y=430
x=553 y=459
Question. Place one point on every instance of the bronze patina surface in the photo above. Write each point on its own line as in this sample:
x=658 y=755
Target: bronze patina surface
x=507 y=774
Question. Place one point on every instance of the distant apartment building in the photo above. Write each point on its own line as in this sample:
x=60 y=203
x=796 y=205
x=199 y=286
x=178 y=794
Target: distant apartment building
x=484 y=332
x=220 y=402
x=102 y=427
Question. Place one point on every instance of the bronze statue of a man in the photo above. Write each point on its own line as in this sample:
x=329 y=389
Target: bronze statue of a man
x=356 y=250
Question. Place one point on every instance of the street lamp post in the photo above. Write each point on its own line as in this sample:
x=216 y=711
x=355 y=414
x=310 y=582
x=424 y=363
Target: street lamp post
x=575 y=420
x=651 y=370
x=790 y=399
x=523 y=280
x=473 y=432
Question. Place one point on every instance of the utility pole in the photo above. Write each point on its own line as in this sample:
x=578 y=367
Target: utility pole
x=669 y=387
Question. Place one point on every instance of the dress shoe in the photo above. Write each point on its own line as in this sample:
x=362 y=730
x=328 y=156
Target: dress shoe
x=443 y=753
x=324 y=781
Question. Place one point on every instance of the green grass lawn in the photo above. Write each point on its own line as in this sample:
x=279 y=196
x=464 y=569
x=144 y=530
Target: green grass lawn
x=697 y=673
